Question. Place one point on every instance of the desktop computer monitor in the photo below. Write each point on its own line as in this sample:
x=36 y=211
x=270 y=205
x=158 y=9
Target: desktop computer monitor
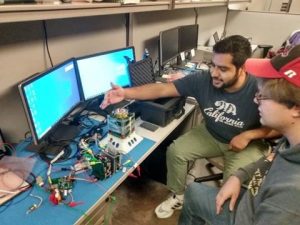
x=48 y=97
x=98 y=71
x=168 y=46
x=188 y=37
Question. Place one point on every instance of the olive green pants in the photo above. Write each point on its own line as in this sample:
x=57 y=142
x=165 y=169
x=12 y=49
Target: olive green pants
x=199 y=143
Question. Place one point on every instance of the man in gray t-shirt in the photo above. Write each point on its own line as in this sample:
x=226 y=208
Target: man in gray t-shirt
x=231 y=122
x=226 y=114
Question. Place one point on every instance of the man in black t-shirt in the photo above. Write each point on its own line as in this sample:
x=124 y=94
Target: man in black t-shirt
x=230 y=127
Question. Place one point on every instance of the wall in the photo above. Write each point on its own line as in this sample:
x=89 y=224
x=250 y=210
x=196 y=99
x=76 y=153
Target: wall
x=147 y=25
x=263 y=27
x=295 y=7
x=23 y=52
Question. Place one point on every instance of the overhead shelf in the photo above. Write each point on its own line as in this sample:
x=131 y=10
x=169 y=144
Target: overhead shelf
x=32 y=12
x=198 y=4
x=48 y=11
x=182 y=4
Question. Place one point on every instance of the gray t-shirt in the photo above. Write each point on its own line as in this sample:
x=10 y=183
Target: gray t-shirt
x=226 y=114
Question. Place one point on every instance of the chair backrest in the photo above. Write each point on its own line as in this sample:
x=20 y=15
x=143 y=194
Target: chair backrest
x=291 y=41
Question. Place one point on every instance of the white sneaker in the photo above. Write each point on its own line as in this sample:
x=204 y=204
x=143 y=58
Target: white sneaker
x=167 y=207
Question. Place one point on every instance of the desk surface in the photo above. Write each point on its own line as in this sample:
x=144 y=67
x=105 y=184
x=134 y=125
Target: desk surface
x=89 y=194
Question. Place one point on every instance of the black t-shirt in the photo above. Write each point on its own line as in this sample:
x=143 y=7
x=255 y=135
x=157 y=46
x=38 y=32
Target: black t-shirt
x=226 y=114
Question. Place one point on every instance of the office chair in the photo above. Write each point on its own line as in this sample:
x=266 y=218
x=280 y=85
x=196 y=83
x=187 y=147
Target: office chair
x=266 y=49
x=217 y=162
x=292 y=40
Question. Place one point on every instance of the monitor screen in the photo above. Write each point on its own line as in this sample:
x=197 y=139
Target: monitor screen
x=168 y=45
x=48 y=97
x=98 y=71
x=188 y=37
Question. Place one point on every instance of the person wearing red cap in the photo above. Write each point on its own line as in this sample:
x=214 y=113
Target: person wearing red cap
x=273 y=195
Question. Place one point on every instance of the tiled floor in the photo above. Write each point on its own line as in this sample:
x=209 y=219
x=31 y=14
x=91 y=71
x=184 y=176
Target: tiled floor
x=136 y=201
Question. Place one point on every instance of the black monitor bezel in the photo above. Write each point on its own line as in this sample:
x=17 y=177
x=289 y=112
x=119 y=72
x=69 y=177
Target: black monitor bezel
x=180 y=33
x=26 y=107
x=161 y=62
x=96 y=55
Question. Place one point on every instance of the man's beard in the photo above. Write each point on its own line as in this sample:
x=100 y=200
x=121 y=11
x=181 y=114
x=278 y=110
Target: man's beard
x=231 y=82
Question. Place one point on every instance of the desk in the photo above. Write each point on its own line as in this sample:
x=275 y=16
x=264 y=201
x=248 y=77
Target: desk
x=91 y=194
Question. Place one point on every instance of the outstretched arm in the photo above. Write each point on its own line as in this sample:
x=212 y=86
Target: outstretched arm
x=148 y=91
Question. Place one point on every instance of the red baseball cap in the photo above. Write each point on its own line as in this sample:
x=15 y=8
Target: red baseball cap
x=285 y=65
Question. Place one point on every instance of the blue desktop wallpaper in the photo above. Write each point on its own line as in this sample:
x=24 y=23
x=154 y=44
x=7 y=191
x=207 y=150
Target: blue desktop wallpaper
x=97 y=72
x=51 y=97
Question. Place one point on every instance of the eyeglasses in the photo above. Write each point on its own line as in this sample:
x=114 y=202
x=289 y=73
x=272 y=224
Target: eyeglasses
x=259 y=97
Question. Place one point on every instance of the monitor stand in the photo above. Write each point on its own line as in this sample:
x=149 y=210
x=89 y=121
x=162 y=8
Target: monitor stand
x=62 y=134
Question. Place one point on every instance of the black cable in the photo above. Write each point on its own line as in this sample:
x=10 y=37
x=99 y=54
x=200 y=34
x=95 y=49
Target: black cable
x=33 y=181
x=196 y=15
x=46 y=41
x=226 y=20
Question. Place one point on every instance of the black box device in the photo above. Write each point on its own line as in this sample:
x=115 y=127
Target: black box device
x=162 y=111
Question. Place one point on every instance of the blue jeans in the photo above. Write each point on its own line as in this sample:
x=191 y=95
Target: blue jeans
x=199 y=207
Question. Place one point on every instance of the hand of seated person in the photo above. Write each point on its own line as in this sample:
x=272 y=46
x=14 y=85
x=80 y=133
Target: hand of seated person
x=230 y=190
x=239 y=142
x=113 y=96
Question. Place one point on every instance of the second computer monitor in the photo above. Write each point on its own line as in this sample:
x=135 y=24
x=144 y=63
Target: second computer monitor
x=188 y=37
x=98 y=71
x=168 y=45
